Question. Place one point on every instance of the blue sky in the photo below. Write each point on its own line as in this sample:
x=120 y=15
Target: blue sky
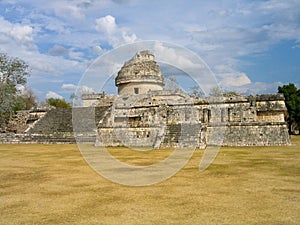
x=251 y=46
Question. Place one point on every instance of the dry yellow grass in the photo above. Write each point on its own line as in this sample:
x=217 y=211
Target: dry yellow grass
x=52 y=184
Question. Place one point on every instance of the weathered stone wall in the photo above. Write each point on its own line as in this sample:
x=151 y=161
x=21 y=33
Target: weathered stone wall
x=54 y=138
x=94 y=100
x=18 y=124
x=138 y=88
x=270 y=116
x=251 y=134
x=139 y=75
x=56 y=126
x=131 y=137
x=162 y=119
x=234 y=121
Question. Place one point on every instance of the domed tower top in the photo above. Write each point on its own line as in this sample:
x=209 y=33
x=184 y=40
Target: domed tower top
x=139 y=75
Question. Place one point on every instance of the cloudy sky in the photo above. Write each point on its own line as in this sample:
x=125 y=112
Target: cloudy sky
x=251 y=46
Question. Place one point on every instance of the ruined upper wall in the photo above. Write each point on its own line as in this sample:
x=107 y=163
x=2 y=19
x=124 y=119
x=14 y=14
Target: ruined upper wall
x=270 y=102
x=93 y=100
x=139 y=75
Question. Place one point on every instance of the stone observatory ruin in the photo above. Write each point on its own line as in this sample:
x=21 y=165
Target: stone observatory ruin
x=140 y=75
x=145 y=114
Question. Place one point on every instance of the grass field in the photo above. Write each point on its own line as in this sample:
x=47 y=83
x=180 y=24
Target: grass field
x=52 y=184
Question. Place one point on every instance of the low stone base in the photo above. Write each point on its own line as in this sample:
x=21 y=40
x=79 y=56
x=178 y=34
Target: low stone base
x=234 y=134
x=251 y=134
x=56 y=138
x=131 y=137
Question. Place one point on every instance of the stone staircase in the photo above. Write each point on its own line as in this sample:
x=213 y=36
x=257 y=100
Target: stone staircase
x=86 y=119
x=55 y=120
x=184 y=135
x=104 y=119
x=59 y=125
x=159 y=138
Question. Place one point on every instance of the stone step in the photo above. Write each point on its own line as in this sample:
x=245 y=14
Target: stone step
x=184 y=135
x=63 y=120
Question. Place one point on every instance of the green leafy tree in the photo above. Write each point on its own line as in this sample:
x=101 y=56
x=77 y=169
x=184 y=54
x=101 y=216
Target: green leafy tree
x=13 y=72
x=58 y=103
x=231 y=93
x=292 y=100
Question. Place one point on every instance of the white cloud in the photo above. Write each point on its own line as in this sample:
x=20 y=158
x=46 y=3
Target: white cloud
x=52 y=94
x=58 y=50
x=282 y=31
x=279 y=8
x=79 y=30
x=64 y=9
x=114 y=34
x=69 y=87
x=283 y=18
x=234 y=78
x=41 y=66
x=98 y=49
x=256 y=88
x=17 y=40
x=77 y=55
x=16 y=35
x=45 y=23
x=80 y=89
x=46 y=79
x=176 y=56
x=128 y=38
x=106 y=24
x=22 y=34
x=229 y=77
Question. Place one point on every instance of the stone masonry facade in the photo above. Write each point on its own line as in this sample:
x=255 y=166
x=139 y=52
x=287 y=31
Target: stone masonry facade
x=174 y=120
x=143 y=114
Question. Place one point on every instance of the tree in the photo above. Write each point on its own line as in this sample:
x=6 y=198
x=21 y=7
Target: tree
x=231 y=93
x=292 y=100
x=172 y=84
x=216 y=91
x=58 y=103
x=13 y=72
x=29 y=98
x=196 y=92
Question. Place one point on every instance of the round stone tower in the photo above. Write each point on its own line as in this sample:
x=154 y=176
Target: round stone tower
x=139 y=75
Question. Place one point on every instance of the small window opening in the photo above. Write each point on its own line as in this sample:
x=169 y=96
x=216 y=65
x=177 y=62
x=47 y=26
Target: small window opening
x=136 y=91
